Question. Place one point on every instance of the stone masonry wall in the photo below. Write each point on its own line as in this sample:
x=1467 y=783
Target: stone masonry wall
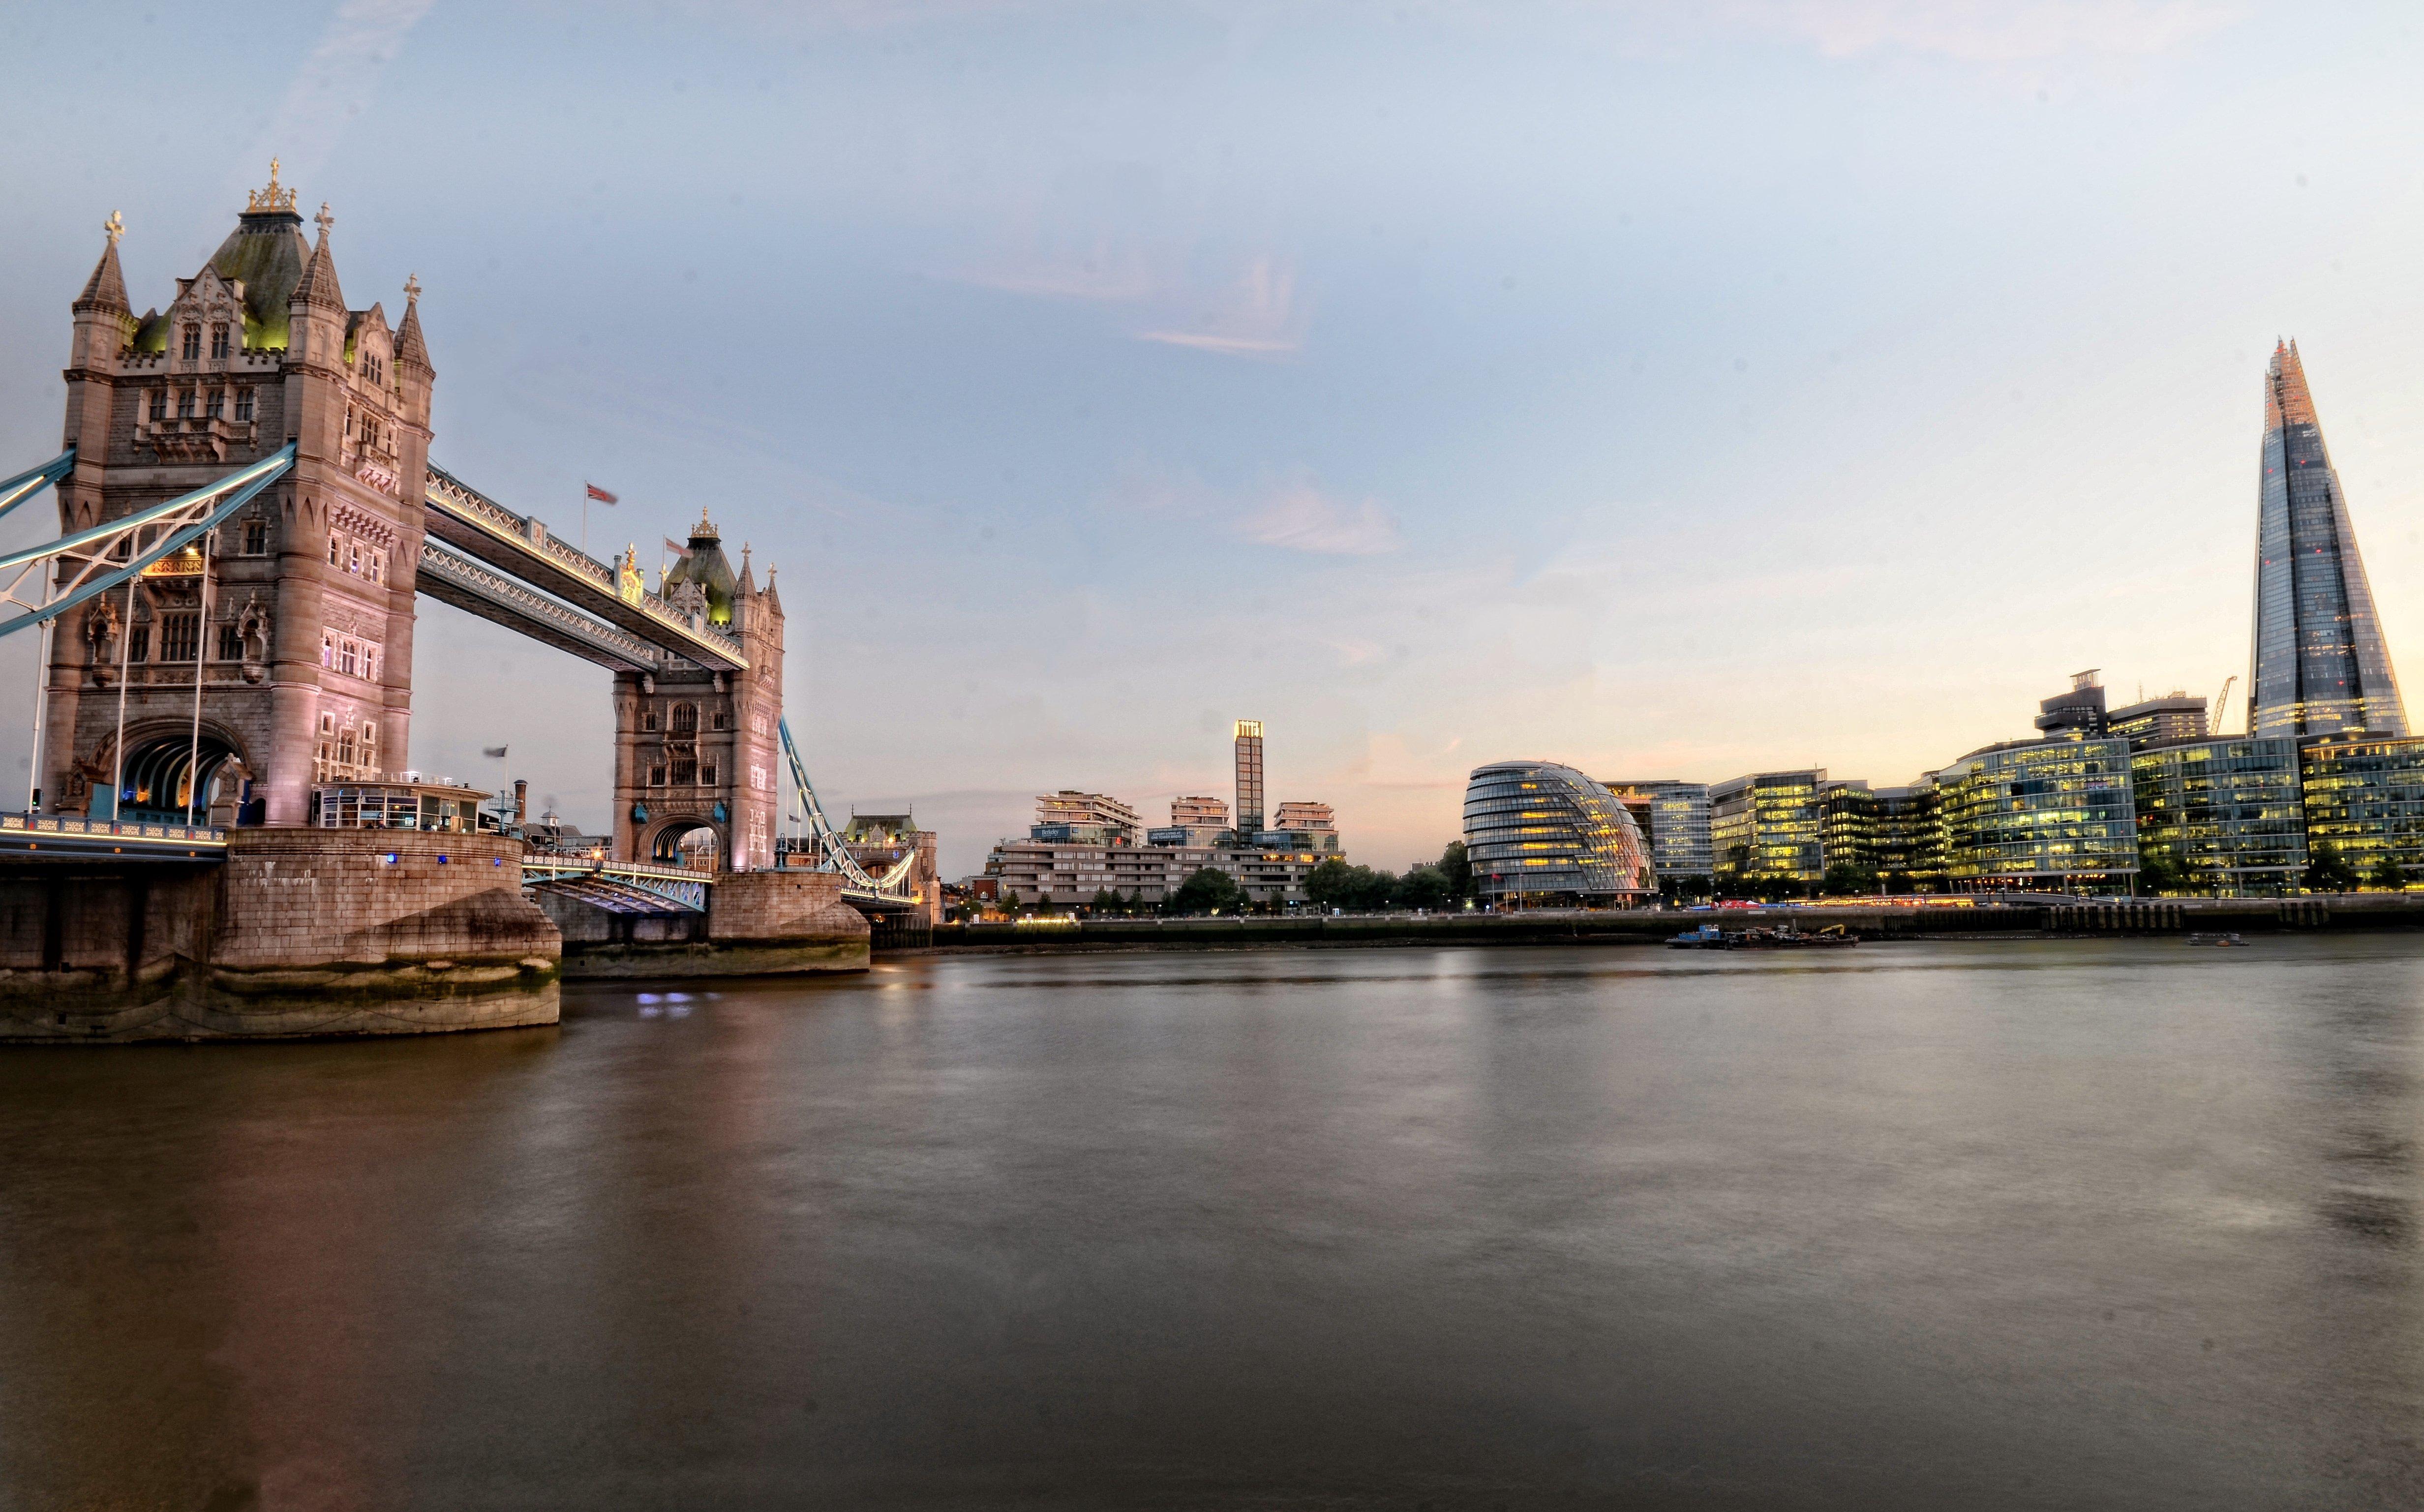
x=300 y=932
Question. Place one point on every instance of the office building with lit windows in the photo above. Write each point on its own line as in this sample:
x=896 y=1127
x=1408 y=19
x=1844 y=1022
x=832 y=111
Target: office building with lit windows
x=1908 y=848
x=2228 y=811
x=2174 y=716
x=1768 y=825
x=2321 y=666
x=2042 y=815
x=1673 y=816
x=2364 y=797
x=1539 y=835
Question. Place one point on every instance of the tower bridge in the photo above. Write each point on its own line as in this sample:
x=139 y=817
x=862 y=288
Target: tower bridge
x=247 y=514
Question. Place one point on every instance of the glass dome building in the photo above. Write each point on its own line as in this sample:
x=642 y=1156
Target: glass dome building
x=1544 y=834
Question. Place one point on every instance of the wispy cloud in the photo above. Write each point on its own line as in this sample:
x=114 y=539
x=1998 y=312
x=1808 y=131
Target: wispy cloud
x=327 y=92
x=1259 y=317
x=1295 y=514
x=1301 y=518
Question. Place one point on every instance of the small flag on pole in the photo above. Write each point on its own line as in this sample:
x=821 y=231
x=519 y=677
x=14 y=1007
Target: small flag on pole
x=496 y=752
x=599 y=494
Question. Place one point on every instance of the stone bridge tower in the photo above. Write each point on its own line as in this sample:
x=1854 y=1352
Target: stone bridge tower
x=298 y=622
x=696 y=753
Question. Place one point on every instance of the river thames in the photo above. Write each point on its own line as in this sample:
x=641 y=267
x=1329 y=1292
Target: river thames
x=2064 y=1224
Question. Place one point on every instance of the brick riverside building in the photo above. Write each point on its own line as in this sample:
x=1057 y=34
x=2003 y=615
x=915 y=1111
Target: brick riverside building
x=301 y=619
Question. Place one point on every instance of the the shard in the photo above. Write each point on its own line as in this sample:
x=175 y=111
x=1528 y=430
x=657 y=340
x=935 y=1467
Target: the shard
x=2320 y=666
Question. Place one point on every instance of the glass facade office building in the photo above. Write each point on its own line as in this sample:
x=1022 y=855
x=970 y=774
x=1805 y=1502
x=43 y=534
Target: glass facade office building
x=2040 y=816
x=2365 y=798
x=2229 y=811
x=1677 y=831
x=1768 y=825
x=2320 y=666
x=1545 y=834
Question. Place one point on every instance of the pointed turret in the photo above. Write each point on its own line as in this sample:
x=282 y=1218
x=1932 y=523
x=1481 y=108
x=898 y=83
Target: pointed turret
x=319 y=286
x=412 y=352
x=106 y=291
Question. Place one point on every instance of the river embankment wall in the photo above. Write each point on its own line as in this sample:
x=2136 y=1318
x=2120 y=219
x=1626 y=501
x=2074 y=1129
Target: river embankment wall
x=299 y=933
x=757 y=924
x=2034 y=920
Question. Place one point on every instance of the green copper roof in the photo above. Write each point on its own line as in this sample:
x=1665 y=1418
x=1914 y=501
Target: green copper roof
x=267 y=253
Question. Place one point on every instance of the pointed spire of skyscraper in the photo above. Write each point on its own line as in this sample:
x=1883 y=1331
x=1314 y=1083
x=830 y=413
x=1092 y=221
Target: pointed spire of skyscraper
x=2320 y=664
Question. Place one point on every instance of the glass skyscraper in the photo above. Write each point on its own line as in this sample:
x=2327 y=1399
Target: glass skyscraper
x=2321 y=667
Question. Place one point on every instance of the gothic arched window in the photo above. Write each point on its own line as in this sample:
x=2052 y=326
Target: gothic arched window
x=193 y=347
x=685 y=719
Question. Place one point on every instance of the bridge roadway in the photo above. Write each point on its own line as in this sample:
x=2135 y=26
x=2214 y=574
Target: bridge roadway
x=523 y=551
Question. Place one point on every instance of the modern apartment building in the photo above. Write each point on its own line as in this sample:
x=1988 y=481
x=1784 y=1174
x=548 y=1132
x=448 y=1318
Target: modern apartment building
x=1084 y=818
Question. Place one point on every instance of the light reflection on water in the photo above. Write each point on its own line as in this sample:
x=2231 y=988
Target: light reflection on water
x=2110 y=1224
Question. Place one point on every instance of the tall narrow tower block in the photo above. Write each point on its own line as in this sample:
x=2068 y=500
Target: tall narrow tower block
x=2321 y=666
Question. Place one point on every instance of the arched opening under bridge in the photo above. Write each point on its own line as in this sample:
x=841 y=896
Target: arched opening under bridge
x=694 y=844
x=157 y=779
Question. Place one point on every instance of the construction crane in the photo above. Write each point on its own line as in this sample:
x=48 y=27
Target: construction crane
x=2220 y=702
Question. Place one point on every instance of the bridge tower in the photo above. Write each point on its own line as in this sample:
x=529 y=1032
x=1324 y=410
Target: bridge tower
x=696 y=751
x=299 y=623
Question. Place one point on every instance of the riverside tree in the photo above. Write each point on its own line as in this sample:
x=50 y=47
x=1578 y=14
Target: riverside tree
x=1209 y=891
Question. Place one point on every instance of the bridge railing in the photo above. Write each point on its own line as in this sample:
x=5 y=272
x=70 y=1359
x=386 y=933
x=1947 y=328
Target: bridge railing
x=21 y=826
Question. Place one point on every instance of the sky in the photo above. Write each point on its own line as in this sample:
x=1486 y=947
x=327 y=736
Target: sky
x=1668 y=390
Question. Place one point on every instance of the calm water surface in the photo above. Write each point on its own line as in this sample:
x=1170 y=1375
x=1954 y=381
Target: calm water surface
x=2061 y=1225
